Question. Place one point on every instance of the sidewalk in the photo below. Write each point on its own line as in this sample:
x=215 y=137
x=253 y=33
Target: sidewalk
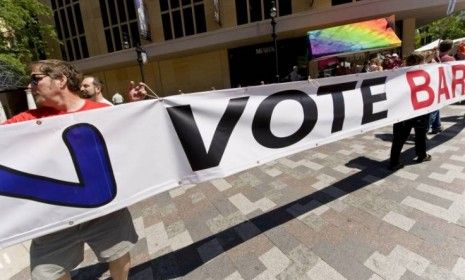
x=334 y=212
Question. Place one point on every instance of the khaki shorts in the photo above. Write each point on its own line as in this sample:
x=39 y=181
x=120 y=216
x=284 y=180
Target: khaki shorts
x=110 y=237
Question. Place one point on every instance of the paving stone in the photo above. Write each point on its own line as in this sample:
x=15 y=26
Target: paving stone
x=437 y=273
x=221 y=184
x=399 y=220
x=408 y=259
x=408 y=275
x=302 y=259
x=24 y=273
x=234 y=276
x=342 y=259
x=210 y=249
x=324 y=271
x=282 y=239
x=428 y=234
x=220 y=223
x=459 y=267
x=432 y=199
x=246 y=206
x=220 y=267
x=275 y=262
x=248 y=266
x=385 y=267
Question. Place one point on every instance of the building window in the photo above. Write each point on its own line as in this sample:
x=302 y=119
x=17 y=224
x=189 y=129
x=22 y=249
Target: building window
x=70 y=29
x=182 y=18
x=339 y=2
x=119 y=24
x=257 y=10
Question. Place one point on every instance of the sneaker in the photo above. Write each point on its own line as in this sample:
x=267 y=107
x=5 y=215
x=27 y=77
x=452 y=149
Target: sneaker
x=395 y=167
x=426 y=158
x=436 y=130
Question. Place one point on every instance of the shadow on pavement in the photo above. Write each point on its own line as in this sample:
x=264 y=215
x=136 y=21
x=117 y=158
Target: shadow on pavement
x=182 y=261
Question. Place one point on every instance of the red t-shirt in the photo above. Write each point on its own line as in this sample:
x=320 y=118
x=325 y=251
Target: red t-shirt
x=44 y=112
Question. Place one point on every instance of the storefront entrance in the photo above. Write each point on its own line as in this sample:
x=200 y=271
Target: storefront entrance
x=251 y=65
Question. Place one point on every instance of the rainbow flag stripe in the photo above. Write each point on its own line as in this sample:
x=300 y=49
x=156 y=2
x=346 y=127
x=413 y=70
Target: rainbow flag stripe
x=355 y=37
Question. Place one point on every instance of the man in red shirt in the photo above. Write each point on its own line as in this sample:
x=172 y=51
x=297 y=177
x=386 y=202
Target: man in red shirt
x=55 y=85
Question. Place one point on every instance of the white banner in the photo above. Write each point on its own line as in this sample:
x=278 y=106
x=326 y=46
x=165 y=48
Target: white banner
x=63 y=170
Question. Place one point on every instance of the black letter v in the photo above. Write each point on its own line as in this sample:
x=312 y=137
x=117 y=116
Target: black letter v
x=191 y=140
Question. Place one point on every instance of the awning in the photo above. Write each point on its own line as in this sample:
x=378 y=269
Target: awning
x=352 y=38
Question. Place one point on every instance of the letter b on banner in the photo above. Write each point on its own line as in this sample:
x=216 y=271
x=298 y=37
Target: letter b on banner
x=261 y=126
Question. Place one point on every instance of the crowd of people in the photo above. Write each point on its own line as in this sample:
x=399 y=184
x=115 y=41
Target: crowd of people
x=335 y=66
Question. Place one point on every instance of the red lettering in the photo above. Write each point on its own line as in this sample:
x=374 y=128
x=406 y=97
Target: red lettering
x=443 y=89
x=415 y=89
x=458 y=80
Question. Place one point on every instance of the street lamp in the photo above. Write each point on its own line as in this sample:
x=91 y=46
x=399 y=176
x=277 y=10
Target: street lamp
x=273 y=15
x=141 y=59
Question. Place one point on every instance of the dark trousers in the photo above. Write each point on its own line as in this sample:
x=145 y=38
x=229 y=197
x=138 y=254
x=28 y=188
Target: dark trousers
x=401 y=133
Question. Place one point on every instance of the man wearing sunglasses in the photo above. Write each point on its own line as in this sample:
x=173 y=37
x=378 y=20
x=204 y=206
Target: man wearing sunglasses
x=55 y=85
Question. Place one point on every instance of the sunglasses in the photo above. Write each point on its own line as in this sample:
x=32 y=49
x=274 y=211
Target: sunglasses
x=36 y=78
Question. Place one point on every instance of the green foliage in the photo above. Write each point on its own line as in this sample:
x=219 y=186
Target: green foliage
x=22 y=36
x=450 y=27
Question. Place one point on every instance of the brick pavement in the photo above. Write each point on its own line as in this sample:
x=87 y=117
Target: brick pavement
x=334 y=212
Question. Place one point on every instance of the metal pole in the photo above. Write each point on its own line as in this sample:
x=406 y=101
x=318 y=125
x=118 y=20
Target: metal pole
x=139 y=51
x=275 y=42
x=141 y=68
x=273 y=14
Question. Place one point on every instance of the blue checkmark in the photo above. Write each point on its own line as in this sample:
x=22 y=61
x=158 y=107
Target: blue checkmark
x=96 y=184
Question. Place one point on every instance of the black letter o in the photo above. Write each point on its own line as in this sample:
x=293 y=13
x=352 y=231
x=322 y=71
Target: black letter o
x=261 y=125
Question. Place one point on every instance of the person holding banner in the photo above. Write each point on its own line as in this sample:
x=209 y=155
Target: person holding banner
x=402 y=130
x=136 y=92
x=445 y=46
x=55 y=85
x=460 y=53
x=91 y=87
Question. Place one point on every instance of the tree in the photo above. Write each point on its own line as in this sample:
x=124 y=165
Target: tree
x=22 y=36
x=450 y=27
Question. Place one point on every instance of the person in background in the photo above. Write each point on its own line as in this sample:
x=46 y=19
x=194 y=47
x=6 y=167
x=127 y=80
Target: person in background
x=55 y=85
x=445 y=46
x=92 y=87
x=117 y=99
x=397 y=60
x=430 y=56
x=294 y=75
x=401 y=130
x=375 y=65
x=388 y=62
x=460 y=54
x=136 y=92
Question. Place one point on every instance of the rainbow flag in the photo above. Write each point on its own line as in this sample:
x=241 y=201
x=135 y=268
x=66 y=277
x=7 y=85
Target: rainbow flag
x=355 y=37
